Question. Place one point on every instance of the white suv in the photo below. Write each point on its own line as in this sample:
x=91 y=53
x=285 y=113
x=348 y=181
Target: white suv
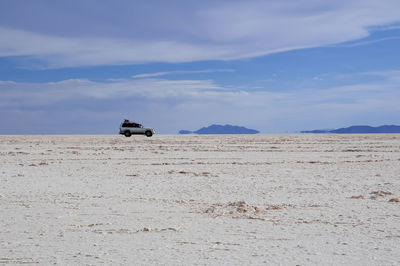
x=130 y=128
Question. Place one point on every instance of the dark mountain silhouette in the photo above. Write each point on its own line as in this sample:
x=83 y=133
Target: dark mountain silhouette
x=219 y=129
x=359 y=130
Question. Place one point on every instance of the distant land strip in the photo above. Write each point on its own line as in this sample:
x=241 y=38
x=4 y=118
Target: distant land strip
x=357 y=130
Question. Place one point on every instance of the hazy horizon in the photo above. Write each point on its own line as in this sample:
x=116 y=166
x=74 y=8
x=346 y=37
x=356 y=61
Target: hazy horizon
x=194 y=133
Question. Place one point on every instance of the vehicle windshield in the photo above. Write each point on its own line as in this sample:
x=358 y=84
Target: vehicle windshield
x=131 y=125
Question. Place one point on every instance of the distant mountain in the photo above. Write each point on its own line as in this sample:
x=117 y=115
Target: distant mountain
x=219 y=129
x=359 y=130
x=185 y=132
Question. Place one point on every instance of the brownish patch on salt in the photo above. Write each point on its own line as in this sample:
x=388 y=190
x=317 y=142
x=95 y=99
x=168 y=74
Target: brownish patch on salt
x=259 y=210
x=241 y=210
x=357 y=197
x=275 y=207
x=381 y=193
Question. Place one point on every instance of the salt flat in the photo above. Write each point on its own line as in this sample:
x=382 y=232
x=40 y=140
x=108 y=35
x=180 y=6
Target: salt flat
x=217 y=199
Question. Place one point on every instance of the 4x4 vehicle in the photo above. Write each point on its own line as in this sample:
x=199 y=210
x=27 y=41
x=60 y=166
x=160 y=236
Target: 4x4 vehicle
x=128 y=128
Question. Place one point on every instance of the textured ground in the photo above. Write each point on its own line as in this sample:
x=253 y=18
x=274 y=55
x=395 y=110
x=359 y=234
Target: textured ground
x=276 y=199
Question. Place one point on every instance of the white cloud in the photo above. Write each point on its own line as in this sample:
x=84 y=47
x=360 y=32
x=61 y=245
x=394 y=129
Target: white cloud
x=39 y=94
x=180 y=72
x=7 y=82
x=68 y=52
x=366 y=42
x=184 y=32
x=15 y=93
x=172 y=104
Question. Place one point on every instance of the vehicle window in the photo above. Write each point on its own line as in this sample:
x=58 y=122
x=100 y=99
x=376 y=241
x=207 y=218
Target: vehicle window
x=127 y=125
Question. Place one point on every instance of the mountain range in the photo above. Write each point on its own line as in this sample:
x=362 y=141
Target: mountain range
x=220 y=129
x=358 y=130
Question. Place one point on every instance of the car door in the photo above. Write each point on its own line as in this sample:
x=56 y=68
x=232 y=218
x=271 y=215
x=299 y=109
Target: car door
x=137 y=129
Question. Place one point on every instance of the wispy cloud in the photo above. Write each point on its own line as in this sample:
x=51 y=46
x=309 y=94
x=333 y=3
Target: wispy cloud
x=366 y=42
x=172 y=104
x=385 y=27
x=190 y=31
x=49 y=93
x=180 y=72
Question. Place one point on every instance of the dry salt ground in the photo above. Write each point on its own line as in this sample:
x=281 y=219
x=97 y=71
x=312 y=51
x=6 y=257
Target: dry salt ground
x=195 y=200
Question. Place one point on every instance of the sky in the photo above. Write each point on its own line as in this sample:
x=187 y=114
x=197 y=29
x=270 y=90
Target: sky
x=81 y=67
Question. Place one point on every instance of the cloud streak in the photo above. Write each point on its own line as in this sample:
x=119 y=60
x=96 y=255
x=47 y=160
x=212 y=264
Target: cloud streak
x=180 y=72
x=49 y=93
x=366 y=42
x=172 y=104
x=181 y=32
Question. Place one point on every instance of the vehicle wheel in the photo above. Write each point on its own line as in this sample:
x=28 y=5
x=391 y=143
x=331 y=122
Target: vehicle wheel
x=148 y=133
x=127 y=133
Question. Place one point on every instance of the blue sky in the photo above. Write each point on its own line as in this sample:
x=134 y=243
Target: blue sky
x=80 y=67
